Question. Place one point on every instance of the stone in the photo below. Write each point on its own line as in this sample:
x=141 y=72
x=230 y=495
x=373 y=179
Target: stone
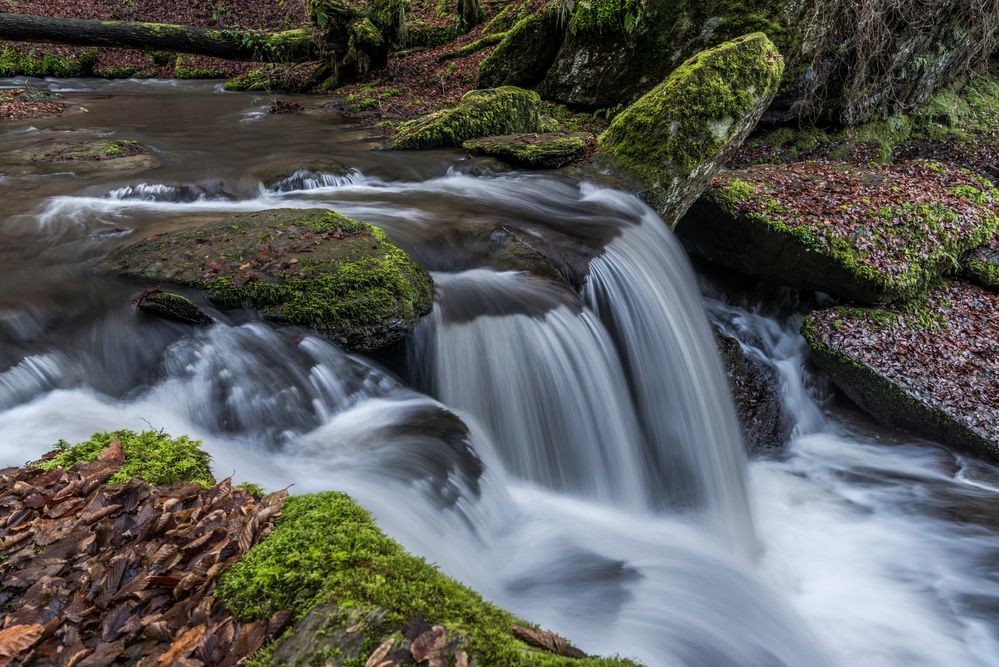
x=547 y=150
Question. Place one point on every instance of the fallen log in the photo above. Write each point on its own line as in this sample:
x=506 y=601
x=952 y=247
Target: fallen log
x=285 y=47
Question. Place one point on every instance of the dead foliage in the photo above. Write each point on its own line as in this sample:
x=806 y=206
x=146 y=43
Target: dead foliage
x=20 y=104
x=98 y=575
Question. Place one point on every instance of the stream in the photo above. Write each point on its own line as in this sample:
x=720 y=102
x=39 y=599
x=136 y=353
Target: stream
x=567 y=448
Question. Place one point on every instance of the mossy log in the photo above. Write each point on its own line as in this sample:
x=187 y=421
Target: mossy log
x=286 y=46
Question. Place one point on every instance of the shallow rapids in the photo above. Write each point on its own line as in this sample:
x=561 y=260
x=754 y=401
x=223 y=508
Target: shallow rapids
x=566 y=446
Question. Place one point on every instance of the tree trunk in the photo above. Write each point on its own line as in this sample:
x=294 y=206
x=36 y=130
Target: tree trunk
x=287 y=46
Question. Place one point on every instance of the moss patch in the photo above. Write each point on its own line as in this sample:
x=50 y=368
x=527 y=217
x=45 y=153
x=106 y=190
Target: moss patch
x=539 y=151
x=342 y=277
x=91 y=151
x=326 y=548
x=480 y=113
x=153 y=456
x=525 y=54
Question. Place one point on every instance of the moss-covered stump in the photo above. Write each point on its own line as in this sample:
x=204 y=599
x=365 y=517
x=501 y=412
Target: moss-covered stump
x=870 y=234
x=931 y=368
x=672 y=140
x=548 y=150
x=756 y=390
x=526 y=52
x=316 y=268
x=354 y=592
x=170 y=306
x=981 y=265
x=481 y=113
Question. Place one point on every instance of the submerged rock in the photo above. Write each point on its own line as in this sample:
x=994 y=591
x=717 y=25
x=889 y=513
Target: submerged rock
x=671 y=141
x=755 y=388
x=480 y=113
x=171 y=306
x=316 y=268
x=548 y=150
x=870 y=234
x=931 y=368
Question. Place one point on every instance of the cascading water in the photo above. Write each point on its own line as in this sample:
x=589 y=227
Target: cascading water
x=605 y=425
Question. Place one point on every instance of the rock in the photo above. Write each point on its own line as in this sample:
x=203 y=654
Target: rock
x=548 y=150
x=171 y=306
x=294 y=174
x=324 y=631
x=672 y=140
x=981 y=265
x=480 y=113
x=871 y=234
x=81 y=156
x=930 y=368
x=525 y=54
x=755 y=388
x=316 y=268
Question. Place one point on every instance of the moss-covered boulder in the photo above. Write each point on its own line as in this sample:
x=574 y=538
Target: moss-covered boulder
x=931 y=367
x=548 y=150
x=981 y=265
x=870 y=234
x=171 y=306
x=316 y=268
x=54 y=154
x=671 y=141
x=480 y=113
x=526 y=52
x=353 y=592
x=153 y=456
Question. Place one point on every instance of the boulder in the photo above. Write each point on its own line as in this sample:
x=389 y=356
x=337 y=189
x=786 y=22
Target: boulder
x=50 y=155
x=480 y=113
x=670 y=142
x=871 y=234
x=548 y=150
x=755 y=388
x=315 y=268
x=171 y=306
x=526 y=52
x=931 y=368
x=981 y=265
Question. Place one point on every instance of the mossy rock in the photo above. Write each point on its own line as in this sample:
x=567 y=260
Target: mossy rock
x=290 y=174
x=674 y=138
x=327 y=563
x=171 y=306
x=525 y=54
x=81 y=156
x=871 y=234
x=927 y=366
x=480 y=113
x=315 y=268
x=981 y=265
x=87 y=151
x=153 y=456
x=548 y=150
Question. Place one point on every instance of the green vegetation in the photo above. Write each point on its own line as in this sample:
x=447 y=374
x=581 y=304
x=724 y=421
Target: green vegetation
x=101 y=150
x=185 y=68
x=525 y=54
x=693 y=115
x=15 y=63
x=540 y=151
x=424 y=34
x=325 y=548
x=153 y=456
x=480 y=113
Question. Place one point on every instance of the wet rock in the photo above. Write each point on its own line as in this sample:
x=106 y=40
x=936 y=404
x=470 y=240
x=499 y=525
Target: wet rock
x=323 y=632
x=671 y=141
x=481 y=166
x=171 y=306
x=480 y=113
x=755 y=388
x=526 y=52
x=871 y=234
x=292 y=174
x=981 y=265
x=315 y=268
x=930 y=368
x=549 y=150
x=81 y=156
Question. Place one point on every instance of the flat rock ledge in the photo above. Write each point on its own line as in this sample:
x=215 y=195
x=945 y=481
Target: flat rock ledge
x=931 y=368
x=546 y=150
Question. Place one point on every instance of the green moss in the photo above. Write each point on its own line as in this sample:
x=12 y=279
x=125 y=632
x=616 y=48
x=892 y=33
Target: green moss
x=424 y=34
x=606 y=15
x=15 y=63
x=104 y=150
x=161 y=58
x=693 y=115
x=120 y=72
x=480 y=113
x=184 y=68
x=525 y=54
x=540 y=151
x=150 y=455
x=325 y=547
x=255 y=490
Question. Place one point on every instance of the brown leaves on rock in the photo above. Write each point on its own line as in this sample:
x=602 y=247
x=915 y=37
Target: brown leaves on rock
x=95 y=574
x=548 y=641
x=18 y=105
x=946 y=351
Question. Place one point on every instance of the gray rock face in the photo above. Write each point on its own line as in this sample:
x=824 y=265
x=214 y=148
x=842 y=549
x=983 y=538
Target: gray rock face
x=756 y=390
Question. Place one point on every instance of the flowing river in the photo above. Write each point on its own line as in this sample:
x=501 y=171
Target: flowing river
x=568 y=448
